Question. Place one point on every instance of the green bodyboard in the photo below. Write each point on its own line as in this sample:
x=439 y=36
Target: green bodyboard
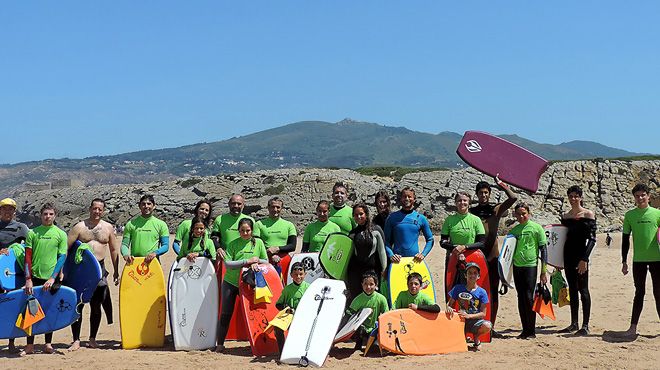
x=335 y=255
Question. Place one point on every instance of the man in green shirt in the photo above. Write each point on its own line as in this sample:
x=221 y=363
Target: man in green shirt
x=225 y=226
x=340 y=213
x=145 y=235
x=316 y=232
x=45 y=253
x=278 y=234
x=643 y=223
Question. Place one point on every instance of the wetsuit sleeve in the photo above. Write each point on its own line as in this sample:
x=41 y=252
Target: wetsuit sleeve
x=305 y=248
x=428 y=235
x=164 y=245
x=625 y=247
x=176 y=246
x=126 y=241
x=215 y=236
x=511 y=200
x=591 y=241
x=58 y=266
x=290 y=244
x=235 y=264
x=445 y=242
x=429 y=308
x=544 y=257
x=388 y=238
x=380 y=246
x=478 y=243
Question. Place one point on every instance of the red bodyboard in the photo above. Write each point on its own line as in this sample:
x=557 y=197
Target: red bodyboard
x=476 y=256
x=237 y=329
x=493 y=155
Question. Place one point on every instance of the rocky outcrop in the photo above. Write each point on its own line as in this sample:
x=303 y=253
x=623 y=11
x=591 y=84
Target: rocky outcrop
x=606 y=185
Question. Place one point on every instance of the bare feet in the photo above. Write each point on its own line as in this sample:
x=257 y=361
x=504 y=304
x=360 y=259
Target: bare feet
x=92 y=343
x=48 y=348
x=75 y=345
x=28 y=350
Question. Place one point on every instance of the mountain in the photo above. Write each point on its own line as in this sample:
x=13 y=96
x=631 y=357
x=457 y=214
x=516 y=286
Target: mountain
x=345 y=144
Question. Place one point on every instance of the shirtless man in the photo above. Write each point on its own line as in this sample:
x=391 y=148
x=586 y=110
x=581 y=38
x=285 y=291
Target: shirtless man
x=100 y=235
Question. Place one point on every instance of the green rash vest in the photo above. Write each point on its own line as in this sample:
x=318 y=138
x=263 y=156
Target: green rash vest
x=530 y=236
x=643 y=223
x=241 y=249
x=462 y=229
x=405 y=298
x=196 y=247
x=183 y=231
x=343 y=217
x=292 y=294
x=275 y=232
x=317 y=232
x=47 y=242
x=227 y=226
x=376 y=301
x=143 y=235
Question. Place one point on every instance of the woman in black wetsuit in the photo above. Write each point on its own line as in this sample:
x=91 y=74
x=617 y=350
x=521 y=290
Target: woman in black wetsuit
x=382 y=204
x=369 y=251
x=580 y=241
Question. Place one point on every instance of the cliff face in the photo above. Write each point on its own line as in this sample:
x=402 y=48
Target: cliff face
x=606 y=185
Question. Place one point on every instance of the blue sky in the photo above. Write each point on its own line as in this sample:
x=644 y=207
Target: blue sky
x=82 y=78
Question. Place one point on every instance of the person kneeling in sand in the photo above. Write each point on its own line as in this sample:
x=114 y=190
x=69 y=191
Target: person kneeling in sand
x=473 y=301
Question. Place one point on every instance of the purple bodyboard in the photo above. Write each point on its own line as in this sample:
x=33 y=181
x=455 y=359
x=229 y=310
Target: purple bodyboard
x=492 y=155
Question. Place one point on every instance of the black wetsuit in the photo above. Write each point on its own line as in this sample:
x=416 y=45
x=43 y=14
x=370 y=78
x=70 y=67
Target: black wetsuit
x=365 y=257
x=580 y=241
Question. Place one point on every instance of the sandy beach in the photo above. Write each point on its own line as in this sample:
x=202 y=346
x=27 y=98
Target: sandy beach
x=611 y=293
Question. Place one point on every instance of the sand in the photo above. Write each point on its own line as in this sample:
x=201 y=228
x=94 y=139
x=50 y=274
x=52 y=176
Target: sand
x=611 y=293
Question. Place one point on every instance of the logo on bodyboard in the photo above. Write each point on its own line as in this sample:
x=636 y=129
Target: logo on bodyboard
x=194 y=272
x=473 y=146
x=64 y=306
x=142 y=269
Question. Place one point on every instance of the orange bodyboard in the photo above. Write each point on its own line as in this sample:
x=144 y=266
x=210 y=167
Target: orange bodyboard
x=413 y=332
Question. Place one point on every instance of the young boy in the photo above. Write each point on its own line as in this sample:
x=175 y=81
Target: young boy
x=368 y=298
x=472 y=302
x=415 y=299
x=291 y=296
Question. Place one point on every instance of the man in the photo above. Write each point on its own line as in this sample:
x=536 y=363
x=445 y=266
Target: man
x=145 y=235
x=11 y=231
x=45 y=253
x=340 y=213
x=225 y=226
x=278 y=234
x=490 y=214
x=100 y=236
x=642 y=222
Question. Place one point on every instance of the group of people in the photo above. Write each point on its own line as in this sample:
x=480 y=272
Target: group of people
x=237 y=240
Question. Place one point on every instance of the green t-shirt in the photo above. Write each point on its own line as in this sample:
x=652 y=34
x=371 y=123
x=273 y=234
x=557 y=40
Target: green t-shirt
x=227 y=226
x=316 y=233
x=405 y=298
x=462 y=229
x=197 y=247
x=241 y=249
x=292 y=294
x=643 y=223
x=378 y=304
x=143 y=235
x=529 y=237
x=343 y=217
x=46 y=242
x=275 y=232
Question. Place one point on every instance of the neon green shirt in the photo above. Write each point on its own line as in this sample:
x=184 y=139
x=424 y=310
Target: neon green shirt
x=530 y=236
x=47 y=242
x=197 y=247
x=405 y=298
x=227 y=226
x=462 y=229
x=376 y=301
x=241 y=249
x=643 y=223
x=316 y=233
x=292 y=294
x=343 y=217
x=143 y=235
x=275 y=232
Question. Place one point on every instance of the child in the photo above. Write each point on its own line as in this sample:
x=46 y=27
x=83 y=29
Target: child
x=368 y=298
x=413 y=298
x=291 y=296
x=472 y=310
x=197 y=243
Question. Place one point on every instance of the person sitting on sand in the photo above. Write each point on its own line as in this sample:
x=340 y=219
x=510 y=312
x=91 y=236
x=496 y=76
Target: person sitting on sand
x=414 y=298
x=369 y=298
x=473 y=302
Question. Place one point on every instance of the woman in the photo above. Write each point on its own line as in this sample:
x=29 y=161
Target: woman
x=246 y=251
x=369 y=250
x=382 y=204
x=203 y=210
x=462 y=230
x=580 y=241
x=531 y=240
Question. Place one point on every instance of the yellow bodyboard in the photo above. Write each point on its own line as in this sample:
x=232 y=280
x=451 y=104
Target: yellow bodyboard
x=142 y=305
x=398 y=277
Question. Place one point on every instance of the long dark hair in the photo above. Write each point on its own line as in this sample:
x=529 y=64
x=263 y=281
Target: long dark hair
x=206 y=220
x=191 y=235
x=251 y=224
x=367 y=225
